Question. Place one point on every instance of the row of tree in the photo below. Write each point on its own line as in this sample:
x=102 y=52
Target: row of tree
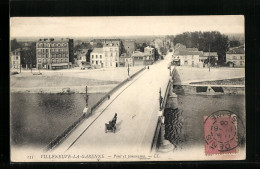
x=212 y=41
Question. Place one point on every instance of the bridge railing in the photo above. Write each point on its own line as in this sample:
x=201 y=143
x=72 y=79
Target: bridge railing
x=66 y=132
x=155 y=142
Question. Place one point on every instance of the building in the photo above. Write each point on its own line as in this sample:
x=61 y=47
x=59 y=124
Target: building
x=15 y=59
x=125 y=60
x=54 y=53
x=236 y=57
x=187 y=58
x=97 y=58
x=142 y=59
x=151 y=51
x=129 y=47
x=112 y=51
x=82 y=57
x=207 y=54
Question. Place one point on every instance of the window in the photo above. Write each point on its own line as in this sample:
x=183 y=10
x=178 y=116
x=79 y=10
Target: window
x=241 y=57
x=92 y=62
x=61 y=61
x=53 y=60
x=16 y=57
x=96 y=56
x=39 y=60
x=234 y=57
x=111 y=49
x=57 y=61
x=92 y=56
x=80 y=58
x=96 y=62
x=111 y=54
x=241 y=62
x=100 y=56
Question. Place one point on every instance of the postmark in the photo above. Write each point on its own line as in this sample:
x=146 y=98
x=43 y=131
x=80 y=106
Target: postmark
x=221 y=133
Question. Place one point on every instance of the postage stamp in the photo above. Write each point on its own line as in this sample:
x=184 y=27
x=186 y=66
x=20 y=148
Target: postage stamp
x=220 y=132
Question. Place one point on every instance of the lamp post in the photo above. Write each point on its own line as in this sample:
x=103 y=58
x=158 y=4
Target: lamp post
x=160 y=99
x=128 y=69
x=86 y=96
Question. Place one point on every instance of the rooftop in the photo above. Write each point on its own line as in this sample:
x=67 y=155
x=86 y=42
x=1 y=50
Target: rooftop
x=210 y=53
x=238 y=50
x=139 y=54
x=185 y=52
x=54 y=40
x=97 y=50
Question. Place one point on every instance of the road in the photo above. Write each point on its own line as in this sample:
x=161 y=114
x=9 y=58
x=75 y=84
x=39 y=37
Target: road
x=137 y=106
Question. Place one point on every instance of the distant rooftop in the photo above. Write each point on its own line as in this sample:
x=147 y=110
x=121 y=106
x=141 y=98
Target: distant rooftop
x=53 y=40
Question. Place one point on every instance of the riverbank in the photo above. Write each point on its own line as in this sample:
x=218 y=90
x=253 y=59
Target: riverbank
x=69 y=81
x=186 y=75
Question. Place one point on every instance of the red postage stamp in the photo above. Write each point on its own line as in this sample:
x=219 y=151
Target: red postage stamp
x=220 y=133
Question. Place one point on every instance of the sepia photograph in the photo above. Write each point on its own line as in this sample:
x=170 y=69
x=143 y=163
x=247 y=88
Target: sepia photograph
x=127 y=88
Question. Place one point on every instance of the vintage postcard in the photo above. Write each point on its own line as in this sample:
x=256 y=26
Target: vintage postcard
x=126 y=89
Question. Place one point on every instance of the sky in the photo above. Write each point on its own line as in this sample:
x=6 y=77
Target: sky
x=122 y=25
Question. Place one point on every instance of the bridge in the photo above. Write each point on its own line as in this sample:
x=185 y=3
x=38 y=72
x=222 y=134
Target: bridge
x=136 y=103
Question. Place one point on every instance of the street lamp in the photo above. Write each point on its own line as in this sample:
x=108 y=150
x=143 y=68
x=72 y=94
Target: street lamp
x=86 y=96
x=160 y=99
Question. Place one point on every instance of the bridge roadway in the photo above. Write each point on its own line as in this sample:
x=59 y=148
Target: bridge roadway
x=136 y=104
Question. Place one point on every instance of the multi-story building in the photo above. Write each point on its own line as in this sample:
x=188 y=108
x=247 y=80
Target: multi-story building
x=54 y=53
x=129 y=47
x=206 y=55
x=97 y=58
x=112 y=51
x=82 y=57
x=125 y=60
x=142 y=59
x=150 y=51
x=236 y=57
x=15 y=59
x=185 y=58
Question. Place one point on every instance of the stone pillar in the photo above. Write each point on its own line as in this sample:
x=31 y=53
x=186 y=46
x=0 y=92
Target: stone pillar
x=165 y=145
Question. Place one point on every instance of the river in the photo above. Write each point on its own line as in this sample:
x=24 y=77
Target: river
x=36 y=119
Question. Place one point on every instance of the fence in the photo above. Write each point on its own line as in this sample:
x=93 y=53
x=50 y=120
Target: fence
x=158 y=127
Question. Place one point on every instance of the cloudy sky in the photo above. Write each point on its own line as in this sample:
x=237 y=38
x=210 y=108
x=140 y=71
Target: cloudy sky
x=118 y=26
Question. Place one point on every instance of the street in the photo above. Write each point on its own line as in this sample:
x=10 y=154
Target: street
x=136 y=104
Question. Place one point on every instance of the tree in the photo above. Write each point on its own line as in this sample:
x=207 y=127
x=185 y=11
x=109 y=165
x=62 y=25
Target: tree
x=14 y=44
x=212 y=41
x=28 y=55
x=234 y=43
